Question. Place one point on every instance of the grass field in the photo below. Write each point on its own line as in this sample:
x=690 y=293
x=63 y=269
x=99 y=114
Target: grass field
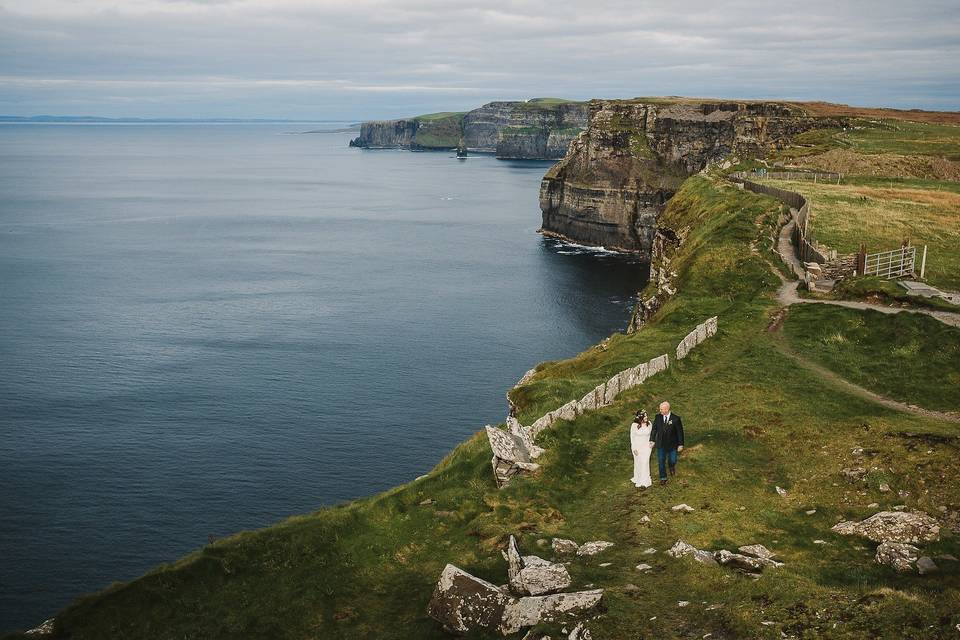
x=911 y=358
x=882 y=214
x=754 y=421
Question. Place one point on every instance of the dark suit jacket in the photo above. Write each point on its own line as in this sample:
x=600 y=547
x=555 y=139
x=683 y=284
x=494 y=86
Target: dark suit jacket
x=667 y=436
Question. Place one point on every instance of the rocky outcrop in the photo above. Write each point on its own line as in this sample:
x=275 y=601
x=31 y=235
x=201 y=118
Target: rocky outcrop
x=435 y=131
x=386 y=134
x=532 y=129
x=893 y=526
x=618 y=174
x=464 y=603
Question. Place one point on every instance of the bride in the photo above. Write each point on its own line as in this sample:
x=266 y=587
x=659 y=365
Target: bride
x=641 y=446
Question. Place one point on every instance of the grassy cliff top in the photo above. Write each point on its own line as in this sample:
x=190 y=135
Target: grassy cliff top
x=756 y=417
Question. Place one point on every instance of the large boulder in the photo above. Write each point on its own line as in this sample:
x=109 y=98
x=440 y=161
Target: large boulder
x=462 y=602
x=893 y=526
x=534 y=576
x=557 y=608
x=899 y=555
x=541 y=579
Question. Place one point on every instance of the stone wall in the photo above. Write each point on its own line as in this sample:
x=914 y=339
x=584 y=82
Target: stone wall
x=807 y=248
x=695 y=337
x=514 y=448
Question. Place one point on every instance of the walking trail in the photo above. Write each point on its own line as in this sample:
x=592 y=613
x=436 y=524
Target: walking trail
x=787 y=296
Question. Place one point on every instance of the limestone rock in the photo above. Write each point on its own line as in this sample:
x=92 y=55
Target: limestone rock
x=539 y=579
x=557 y=607
x=681 y=549
x=580 y=632
x=757 y=551
x=926 y=565
x=462 y=602
x=514 y=560
x=854 y=473
x=643 y=566
x=683 y=507
x=564 y=546
x=44 y=629
x=893 y=526
x=899 y=555
x=739 y=561
x=593 y=547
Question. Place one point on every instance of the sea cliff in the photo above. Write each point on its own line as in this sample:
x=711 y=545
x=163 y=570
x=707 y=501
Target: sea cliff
x=541 y=128
x=620 y=172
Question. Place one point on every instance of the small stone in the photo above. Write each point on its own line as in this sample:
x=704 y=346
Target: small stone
x=426 y=502
x=593 y=547
x=819 y=542
x=683 y=603
x=562 y=545
x=741 y=508
x=645 y=519
x=926 y=565
x=605 y=564
x=682 y=507
x=884 y=487
x=811 y=512
x=650 y=551
x=757 y=551
x=781 y=492
x=873 y=505
x=644 y=567
x=899 y=555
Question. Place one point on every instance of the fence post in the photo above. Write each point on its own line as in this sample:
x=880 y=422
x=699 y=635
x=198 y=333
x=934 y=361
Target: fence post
x=923 y=262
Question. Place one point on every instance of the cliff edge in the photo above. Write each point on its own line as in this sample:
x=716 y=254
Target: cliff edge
x=541 y=129
x=620 y=172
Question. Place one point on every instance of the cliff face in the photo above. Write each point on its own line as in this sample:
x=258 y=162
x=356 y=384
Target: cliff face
x=619 y=173
x=536 y=129
x=437 y=131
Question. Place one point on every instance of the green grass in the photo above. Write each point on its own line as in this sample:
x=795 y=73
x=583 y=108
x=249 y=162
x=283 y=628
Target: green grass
x=872 y=288
x=439 y=130
x=904 y=137
x=442 y=115
x=908 y=357
x=753 y=420
x=881 y=217
x=880 y=136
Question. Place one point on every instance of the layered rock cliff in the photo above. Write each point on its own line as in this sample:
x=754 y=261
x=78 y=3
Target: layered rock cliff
x=434 y=131
x=533 y=129
x=619 y=173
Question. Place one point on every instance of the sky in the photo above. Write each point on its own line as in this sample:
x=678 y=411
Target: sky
x=363 y=59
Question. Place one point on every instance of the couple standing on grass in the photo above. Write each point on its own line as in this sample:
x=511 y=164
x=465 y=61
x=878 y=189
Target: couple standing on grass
x=665 y=434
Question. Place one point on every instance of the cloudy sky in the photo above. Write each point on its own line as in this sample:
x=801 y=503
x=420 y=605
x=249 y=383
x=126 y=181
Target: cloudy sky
x=355 y=59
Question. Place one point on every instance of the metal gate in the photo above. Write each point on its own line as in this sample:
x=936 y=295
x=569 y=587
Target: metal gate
x=890 y=264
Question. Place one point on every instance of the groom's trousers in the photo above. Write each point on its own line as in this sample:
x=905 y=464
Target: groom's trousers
x=662 y=456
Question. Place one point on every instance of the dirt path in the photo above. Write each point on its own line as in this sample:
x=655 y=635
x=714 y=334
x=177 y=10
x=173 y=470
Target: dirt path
x=826 y=374
x=787 y=295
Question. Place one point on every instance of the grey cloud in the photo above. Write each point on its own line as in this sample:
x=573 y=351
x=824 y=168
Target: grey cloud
x=295 y=58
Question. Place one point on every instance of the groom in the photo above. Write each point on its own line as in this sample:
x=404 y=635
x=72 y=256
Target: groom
x=667 y=436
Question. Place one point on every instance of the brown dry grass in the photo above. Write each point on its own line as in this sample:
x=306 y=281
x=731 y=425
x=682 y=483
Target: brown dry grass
x=828 y=109
x=882 y=164
x=843 y=216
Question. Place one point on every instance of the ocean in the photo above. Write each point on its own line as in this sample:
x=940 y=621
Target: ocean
x=206 y=328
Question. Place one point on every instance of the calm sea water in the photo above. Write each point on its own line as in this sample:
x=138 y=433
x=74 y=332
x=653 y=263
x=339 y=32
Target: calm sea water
x=208 y=328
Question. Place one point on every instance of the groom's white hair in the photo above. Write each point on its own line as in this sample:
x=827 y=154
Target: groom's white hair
x=664 y=404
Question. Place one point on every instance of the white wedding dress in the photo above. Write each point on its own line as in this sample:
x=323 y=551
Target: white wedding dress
x=640 y=442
